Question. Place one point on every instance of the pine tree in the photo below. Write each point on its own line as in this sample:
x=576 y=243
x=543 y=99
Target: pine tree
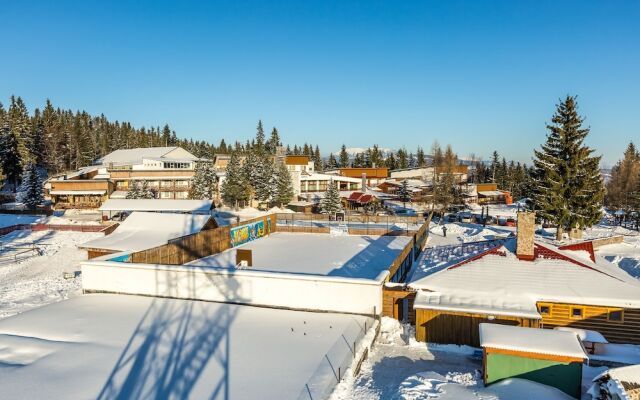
x=36 y=143
x=145 y=191
x=205 y=182
x=569 y=190
x=30 y=191
x=332 y=163
x=390 y=162
x=343 y=158
x=317 y=160
x=495 y=167
x=10 y=158
x=235 y=188
x=134 y=190
x=403 y=193
x=274 y=141
x=331 y=203
x=283 y=186
x=259 y=144
x=624 y=175
x=420 y=158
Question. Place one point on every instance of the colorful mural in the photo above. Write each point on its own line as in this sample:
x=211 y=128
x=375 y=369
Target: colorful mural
x=246 y=233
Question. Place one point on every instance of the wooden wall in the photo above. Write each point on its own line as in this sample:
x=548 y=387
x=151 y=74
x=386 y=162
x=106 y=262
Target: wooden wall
x=94 y=253
x=448 y=327
x=595 y=318
x=80 y=185
x=392 y=299
x=193 y=247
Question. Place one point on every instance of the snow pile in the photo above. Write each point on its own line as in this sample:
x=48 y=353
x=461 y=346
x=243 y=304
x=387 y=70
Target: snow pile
x=398 y=367
x=37 y=279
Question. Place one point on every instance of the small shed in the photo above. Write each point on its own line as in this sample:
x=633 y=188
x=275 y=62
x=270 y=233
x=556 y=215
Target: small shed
x=550 y=357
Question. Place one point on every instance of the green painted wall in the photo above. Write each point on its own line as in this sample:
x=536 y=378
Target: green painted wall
x=562 y=375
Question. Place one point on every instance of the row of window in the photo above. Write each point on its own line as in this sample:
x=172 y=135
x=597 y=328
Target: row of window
x=578 y=312
x=124 y=185
x=178 y=195
x=177 y=165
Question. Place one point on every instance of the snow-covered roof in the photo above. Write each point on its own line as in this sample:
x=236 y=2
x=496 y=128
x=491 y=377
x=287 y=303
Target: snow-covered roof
x=462 y=301
x=584 y=334
x=531 y=340
x=491 y=193
x=144 y=230
x=629 y=374
x=135 y=156
x=168 y=205
x=497 y=281
x=349 y=256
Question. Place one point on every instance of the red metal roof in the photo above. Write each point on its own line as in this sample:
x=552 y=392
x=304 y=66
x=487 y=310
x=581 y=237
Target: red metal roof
x=365 y=199
x=355 y=196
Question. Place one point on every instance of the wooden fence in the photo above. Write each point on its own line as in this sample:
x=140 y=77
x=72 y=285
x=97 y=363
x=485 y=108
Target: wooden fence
x=402 y=264
x=193 y=247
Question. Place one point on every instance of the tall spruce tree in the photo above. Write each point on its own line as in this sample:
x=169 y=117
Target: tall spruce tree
x=331 y=203
x=283 y=186
x=31 y=191
x=10 y=157
x=624 y=174
x=205 y=182
x=235 y=189
x=343 y=157
x=569 y=189
x=134 y=190
x=274 y=141
x=403 y=193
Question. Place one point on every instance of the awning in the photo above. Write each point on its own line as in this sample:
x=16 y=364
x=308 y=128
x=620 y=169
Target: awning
x=78 y=192
x=491 y=193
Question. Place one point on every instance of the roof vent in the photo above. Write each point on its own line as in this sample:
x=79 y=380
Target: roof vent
x=526 y=228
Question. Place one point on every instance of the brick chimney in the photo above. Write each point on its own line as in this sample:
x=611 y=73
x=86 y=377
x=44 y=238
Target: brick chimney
x=525 y=232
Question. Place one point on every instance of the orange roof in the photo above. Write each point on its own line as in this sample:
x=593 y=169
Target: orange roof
x=370 y=172
x=297 y=160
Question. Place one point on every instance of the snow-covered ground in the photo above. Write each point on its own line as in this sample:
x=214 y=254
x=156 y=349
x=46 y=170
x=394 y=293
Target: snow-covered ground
x=401 y=368
x=106 y=346
x=32 y=278
x=68 y=217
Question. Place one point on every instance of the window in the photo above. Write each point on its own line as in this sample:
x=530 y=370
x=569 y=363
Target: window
x=577 y=313
x=615 y=315
x=544 y=309
x=182 y=183
x=181 y=195
x=165 y=195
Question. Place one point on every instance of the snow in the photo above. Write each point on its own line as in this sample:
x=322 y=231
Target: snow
x=398 y=367
x=145 y=230
x=585 y=335
x=469 y=302
x=349 y=256
x=166 y=205
x=503 y=279
x=617 y=353
x=625 y=374
x=531 y=340
x=135 y=156
x=118 y=346
x=227 y=215
x=37 y=279
x=67 y=217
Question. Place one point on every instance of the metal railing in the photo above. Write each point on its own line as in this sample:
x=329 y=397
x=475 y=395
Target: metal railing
x=336 y=361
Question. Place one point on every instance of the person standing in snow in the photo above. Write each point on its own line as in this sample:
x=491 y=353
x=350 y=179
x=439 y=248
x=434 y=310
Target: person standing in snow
x=444 y=231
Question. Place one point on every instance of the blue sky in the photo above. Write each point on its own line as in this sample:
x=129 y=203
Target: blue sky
x=478 y=75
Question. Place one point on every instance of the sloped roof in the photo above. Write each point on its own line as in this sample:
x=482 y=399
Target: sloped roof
x=168 y=205
x=135 y=156
x=498 y=280
x=145 y=230
x=531 y=340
